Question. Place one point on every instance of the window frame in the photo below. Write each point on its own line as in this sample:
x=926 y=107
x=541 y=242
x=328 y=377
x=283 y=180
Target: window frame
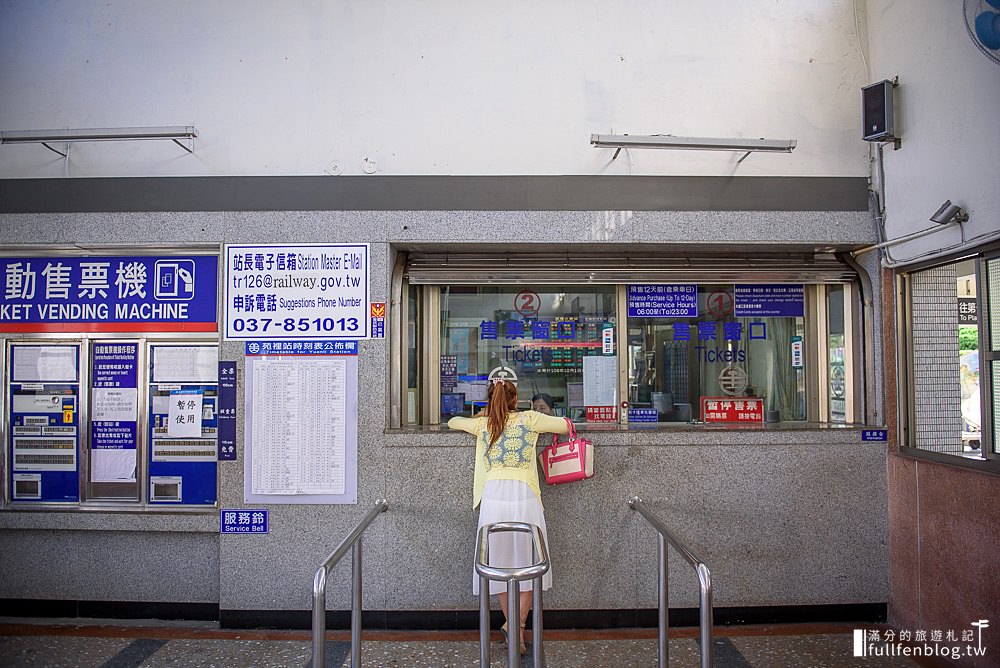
x=814 y=350
x=989 y=460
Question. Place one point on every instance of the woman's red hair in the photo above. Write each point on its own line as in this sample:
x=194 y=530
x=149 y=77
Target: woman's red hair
x=501 y=399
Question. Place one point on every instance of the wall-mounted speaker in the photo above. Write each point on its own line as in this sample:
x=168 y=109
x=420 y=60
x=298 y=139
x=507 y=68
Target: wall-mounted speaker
x=876 y=112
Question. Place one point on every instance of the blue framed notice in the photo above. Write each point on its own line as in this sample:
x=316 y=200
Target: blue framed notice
x=114 y=411
x=643 y=415
x=227 y=411
x=769 y=301
x=874 y=435
x=657 y=300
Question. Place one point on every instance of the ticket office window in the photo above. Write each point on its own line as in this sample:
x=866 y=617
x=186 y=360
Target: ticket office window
x=678 y=364
x=951 y=337
x=657 y=369
x=550 y=335
x=746 y=353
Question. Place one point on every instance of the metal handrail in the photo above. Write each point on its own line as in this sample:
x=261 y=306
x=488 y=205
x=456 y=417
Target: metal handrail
x=352 y=541
x=704 y=583
x=513 y=577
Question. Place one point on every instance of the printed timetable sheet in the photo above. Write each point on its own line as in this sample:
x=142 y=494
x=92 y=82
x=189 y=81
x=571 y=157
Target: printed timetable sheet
x=300 y=426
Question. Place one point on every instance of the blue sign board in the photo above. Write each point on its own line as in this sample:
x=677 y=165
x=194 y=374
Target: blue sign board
x=643 y=415
x=874 y=435
x=243 y=520
x=662 y=301
x=227 y=411
x=150 y=293
x=317 y=347
x=378 y=328
x=769 y=301
x=114 y=379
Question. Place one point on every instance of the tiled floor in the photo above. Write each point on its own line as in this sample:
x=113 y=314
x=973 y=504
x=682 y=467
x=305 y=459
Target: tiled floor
x=93 y=644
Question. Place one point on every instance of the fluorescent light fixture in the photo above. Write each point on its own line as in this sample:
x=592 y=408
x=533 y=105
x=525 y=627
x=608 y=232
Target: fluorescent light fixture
x=175 y=133
x=693 y=143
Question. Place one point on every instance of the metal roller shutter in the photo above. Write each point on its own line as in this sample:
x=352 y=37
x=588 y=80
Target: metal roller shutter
x=423 y=268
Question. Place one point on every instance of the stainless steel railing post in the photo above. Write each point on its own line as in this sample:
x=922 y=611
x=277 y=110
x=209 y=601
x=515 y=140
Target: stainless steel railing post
x=537 y=655
x=663 y=603
x=484 y=613
x=513 y=619
x=513 y=577
x=356 y=604
x=704 y=583
x=351 y=542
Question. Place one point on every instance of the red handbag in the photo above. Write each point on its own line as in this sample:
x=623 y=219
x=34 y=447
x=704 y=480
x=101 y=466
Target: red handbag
x=571 y=460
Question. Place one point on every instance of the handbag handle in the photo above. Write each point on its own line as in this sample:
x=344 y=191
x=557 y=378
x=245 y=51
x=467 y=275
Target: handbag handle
x=571 y=434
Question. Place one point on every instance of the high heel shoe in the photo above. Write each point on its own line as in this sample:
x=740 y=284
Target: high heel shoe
x=506 y=638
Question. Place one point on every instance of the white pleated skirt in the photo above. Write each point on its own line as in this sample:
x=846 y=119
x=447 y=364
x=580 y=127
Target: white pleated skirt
x=510 y=501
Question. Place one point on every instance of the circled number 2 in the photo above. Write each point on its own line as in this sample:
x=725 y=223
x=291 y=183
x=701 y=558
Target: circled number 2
x=527 y=302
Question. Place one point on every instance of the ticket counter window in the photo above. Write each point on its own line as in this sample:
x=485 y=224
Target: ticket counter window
x=677 y=364
x=548 y=334
x=663 y=352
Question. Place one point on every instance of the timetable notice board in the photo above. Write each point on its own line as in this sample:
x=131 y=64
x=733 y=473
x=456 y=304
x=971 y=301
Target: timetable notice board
x=301 y=432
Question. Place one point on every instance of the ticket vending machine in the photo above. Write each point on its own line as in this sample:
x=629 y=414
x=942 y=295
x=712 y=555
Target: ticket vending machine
x=183 y=423
x=43 y=414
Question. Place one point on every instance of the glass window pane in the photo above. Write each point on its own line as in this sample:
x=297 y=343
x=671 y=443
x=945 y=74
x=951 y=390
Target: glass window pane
x=676 y=361
x=836 y=343
x=945 y=344
x=993 y=280
x=544 y=333
x=412 y=407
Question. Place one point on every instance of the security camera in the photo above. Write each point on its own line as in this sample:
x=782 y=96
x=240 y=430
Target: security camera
x=949 y=213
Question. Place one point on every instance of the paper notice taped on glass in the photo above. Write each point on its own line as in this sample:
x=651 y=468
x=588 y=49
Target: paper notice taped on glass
x=184 y=416
x=600 y=380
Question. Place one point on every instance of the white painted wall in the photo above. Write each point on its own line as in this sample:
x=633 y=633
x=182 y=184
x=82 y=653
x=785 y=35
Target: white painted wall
x=949 y=119
x=432 y=87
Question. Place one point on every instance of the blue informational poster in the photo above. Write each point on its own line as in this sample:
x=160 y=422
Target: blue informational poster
x=227 y=411
x=183 y=414
x=44 y=418
x=114 y=411
x=769 y=301
x=643 y=415
x=170 y=293
x=874 y=435
x=657 y=300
